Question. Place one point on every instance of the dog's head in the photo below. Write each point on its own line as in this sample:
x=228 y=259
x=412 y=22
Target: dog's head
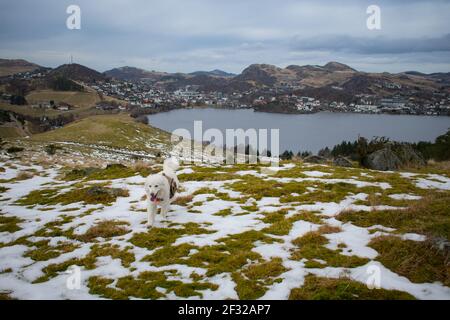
x=154 y=187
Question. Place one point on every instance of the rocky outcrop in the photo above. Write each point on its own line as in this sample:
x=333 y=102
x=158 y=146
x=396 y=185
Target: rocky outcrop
x=394 y=157
x=384 y=159
x=315 y=159
x=408 y=155
x=342 y=162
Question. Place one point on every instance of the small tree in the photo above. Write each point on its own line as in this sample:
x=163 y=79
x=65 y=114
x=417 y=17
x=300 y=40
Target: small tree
x=287 y=155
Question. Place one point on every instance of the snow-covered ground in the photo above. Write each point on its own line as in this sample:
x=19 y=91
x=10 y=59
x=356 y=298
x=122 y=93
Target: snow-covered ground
x=18 y=271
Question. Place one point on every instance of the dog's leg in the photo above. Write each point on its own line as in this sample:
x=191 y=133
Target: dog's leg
x=164 y=210
x=151 y=213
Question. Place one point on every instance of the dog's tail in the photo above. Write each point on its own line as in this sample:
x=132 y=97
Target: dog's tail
x=171 y=164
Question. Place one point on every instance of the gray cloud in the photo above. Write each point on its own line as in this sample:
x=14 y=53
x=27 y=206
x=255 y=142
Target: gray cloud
x=186 y=35
x=373 y=45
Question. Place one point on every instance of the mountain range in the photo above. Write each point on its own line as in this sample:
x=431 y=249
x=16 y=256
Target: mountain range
x=333 y=78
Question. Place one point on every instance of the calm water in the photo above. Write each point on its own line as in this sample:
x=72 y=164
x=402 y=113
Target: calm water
x=309 y=132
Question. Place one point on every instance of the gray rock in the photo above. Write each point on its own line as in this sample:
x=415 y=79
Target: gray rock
x=342 y=162
x=384 y=159
x=408 y=156
x=393 y=157
x=315 y=159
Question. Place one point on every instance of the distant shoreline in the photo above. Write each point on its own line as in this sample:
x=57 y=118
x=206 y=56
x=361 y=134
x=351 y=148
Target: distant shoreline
x=296 y=113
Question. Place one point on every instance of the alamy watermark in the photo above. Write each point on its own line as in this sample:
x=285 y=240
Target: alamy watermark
x=373 y=280
x=237 y=146
x=73 y=21
x=73 y=281
x=373 y=22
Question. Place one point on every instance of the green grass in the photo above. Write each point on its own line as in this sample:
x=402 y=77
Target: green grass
x=9 y=224
x=318 y=288
x=253 y=281
x=87 y=195
x=229 y=255
x=111 y=172
x=313 y=217
x=224 y=212
x=158 y=237
x=206 y=176
x=55 y=228
x=89 y=261
x=429 y=216
x=280 y=225
x=44 y=251
x=170 y=254
x=258 y=188
x=104 y=229
x=311 y=246
x=145 y=286
x=418 y=261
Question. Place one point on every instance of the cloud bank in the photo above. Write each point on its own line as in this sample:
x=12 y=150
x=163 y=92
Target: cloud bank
x=189 y=35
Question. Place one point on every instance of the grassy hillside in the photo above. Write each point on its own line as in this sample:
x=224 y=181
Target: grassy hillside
x=81 y=101
x=9 y=67
x=113 y=131
x=10 y=132
x=75 y=98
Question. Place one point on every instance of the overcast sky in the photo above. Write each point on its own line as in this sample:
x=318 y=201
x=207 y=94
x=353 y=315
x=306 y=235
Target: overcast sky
x=190 y=35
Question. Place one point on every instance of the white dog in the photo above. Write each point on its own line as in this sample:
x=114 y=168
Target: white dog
x=161 y=189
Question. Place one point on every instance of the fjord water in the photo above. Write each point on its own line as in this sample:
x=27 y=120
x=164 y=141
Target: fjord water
x=308 y=132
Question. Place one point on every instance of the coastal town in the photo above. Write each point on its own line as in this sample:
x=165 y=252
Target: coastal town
x=144 y=95
x=149 y=96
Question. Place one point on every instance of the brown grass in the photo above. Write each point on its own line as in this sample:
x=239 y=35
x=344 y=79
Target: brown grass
x=104 y=229
x=183 y=200
x=24 y=175
x=329 y=229
x=141 y=165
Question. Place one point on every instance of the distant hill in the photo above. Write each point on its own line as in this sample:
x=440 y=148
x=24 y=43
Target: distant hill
x=315 y=76
x=13 y=66
x=214 y=73
x=334 y=76
x=336 y=66
x=132 y=73
x=76 y=72
x=440 y=77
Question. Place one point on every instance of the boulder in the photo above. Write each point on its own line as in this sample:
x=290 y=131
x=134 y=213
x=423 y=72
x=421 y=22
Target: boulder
x=393 y=157
x=408 y=156
x=315 y=159
x=383 y=159
x=342 y=162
